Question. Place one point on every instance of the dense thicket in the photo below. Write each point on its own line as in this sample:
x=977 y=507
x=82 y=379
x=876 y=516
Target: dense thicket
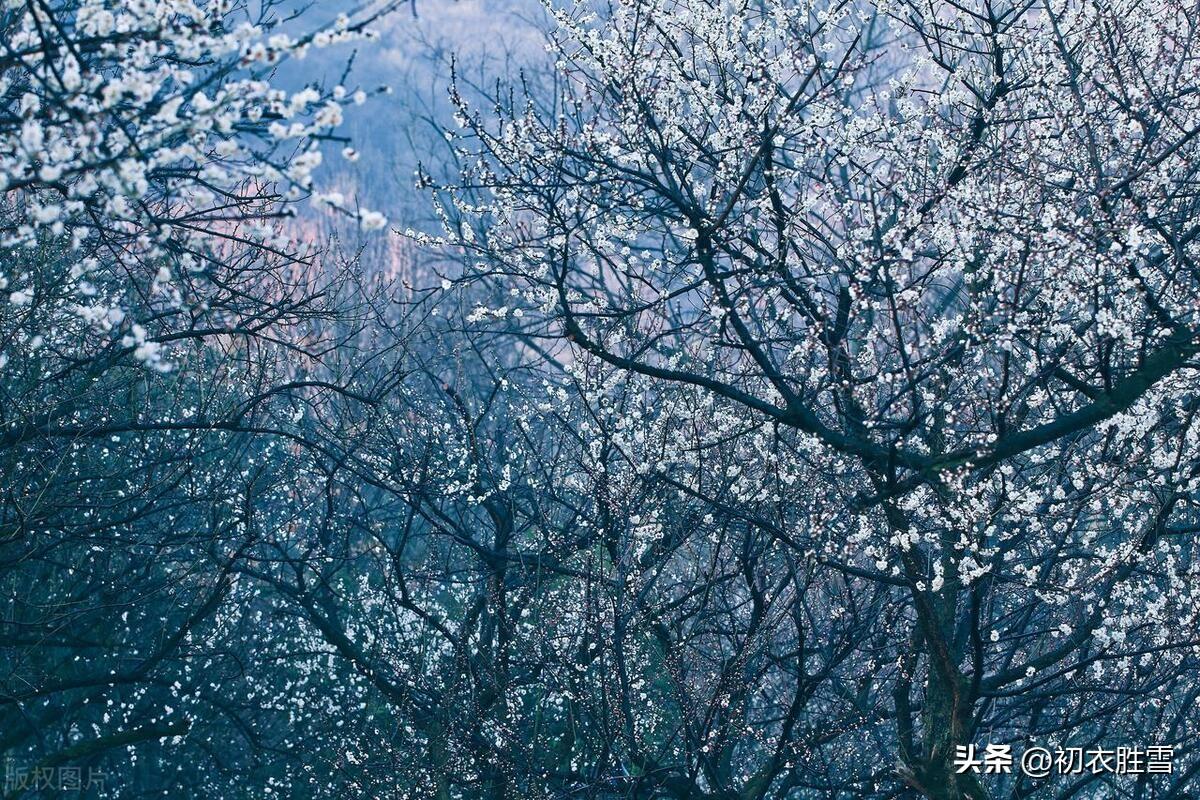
x=787 y=397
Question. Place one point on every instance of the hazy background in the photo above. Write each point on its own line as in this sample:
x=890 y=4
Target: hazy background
x=488 y=40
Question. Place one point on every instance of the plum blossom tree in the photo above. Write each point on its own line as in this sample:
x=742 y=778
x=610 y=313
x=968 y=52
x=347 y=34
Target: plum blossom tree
x=800 y=393
x=946 y=254
x=142 y=143
x=542 y=614
x=161 y=332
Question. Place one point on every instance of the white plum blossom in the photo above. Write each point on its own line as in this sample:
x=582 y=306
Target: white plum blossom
x=149 y=132
x=946 y=253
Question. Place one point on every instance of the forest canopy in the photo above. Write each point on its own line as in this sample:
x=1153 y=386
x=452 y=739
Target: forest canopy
x=756 y=400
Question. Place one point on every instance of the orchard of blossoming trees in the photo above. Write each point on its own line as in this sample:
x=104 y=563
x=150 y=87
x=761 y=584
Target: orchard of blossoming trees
x=787 y=399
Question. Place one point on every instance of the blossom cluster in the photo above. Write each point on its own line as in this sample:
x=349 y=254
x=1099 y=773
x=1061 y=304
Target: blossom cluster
x=142 y=143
